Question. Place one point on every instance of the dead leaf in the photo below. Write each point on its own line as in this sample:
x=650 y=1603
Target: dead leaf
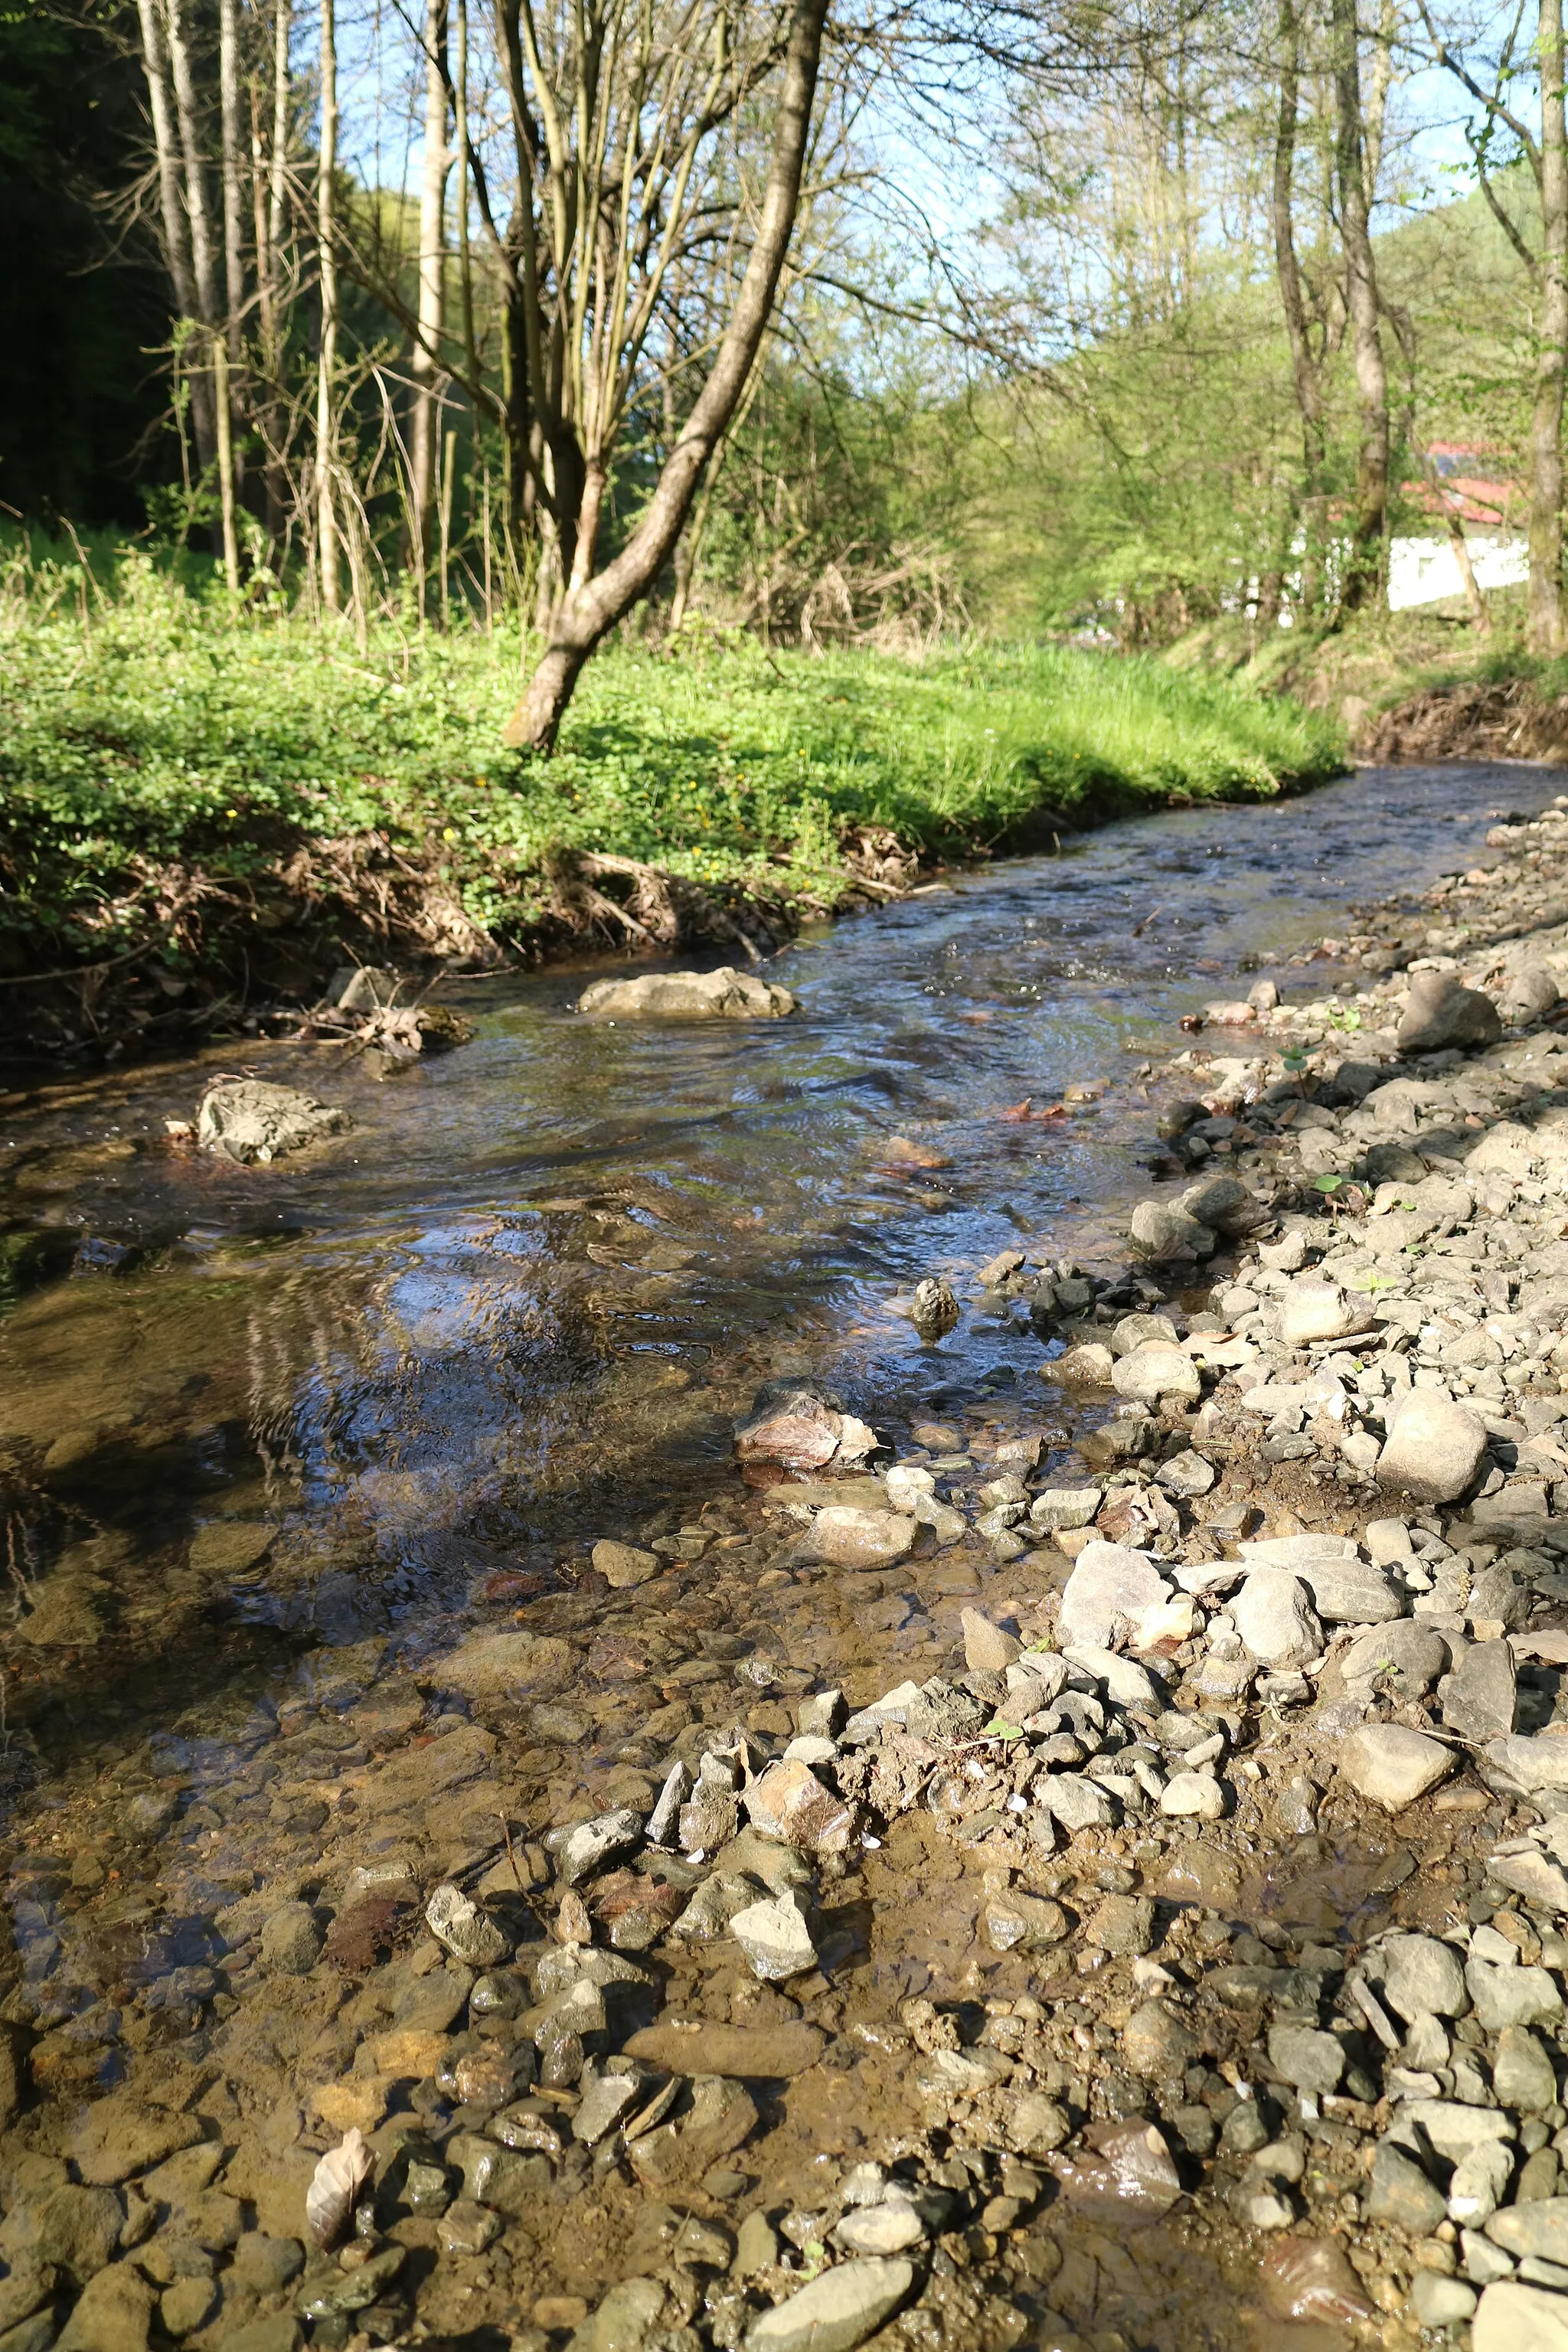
x=334 y=2185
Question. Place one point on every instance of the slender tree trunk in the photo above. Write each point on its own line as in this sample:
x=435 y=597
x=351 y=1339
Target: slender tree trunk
x=272 y=243
x=1480 y=612
x=206 y=306
x=176 y=243
x=1543 y=621
x=424 y=437
x=1303 y=361
x=1364 y=570
x=327 y=542
x=589 y=612
x=225 y=388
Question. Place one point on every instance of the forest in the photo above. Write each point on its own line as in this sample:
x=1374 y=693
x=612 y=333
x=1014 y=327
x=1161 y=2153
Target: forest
x=711 y=391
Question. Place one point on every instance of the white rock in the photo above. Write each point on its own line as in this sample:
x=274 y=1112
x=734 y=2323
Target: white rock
x=1312 y=1309
x=1196 y=1796
x=776 y=1938
x=837 y=2311
x=1154 y=1371
x=1129 y=1683
x=1109 y=1590
x=725 y=995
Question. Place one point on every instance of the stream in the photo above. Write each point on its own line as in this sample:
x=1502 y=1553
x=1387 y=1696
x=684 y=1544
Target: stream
x=272 y=1437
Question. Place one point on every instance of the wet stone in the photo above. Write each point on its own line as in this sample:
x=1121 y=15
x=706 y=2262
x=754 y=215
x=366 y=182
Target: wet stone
x=120 y=2136
x=114 y=2313
x=595 y=1844
x=776 y=1938
x=291 y=1940
x=455 y=1920
x=79 y=2229
x=466 y=2228
x=1123 y=1926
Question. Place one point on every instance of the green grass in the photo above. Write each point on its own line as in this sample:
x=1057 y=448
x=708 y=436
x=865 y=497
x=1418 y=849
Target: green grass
x=147 y=733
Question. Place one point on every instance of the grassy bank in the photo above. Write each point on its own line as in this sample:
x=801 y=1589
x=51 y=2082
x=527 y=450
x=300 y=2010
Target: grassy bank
x=177 y=780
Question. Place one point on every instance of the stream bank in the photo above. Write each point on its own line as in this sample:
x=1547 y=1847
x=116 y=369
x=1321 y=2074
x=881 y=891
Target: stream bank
x=1051 y=1945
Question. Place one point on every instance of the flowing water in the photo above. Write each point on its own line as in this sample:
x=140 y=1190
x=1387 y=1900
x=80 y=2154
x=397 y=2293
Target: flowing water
x=271 y=1436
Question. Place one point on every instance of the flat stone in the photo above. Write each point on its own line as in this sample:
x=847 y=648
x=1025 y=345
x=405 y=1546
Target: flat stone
x=1538 y=1760
x=1155 y=1370
x=1066 y=1506
x=1481 y=1696
x=1274 y=1616
x=725 y=995
x=492 y=1663
x=1109 y=1590
x=1422 y=1977
x=1186 y=1474
x=1453 y=2128
x=1076 y=1802
x=622 y=1565
x=244 y=1120
x=845 y=1537
x=119 y=2136
x=747 y=2052
x=1306 y=2059
x=837 y=2311
x=1392 y=1766
x=1512 y=2317
x=1128 y=1683
x=1433 y=1449
x=79 y=2229
x=1350 y=1592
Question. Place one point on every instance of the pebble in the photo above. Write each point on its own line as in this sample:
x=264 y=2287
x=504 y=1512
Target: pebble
x=622 y=1565
x=1107 y=1595
x=467 y=1932
x=1306 y=2059
x=1422 y=1977
x=1442 y=1013
x=1155 y=1371
x=1481 y=1696
x=776 y=1938
x=291 y=1940
x=1193 y=1796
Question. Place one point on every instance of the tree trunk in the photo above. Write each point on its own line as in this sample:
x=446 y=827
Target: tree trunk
x=1304 y=364
x=177 y=245
x=198 y=214
x=273 y=272
x=327 y=353
x=1365 y=569
x=224 y=391
x=424 y=438
x=1480 y=612
x=1543 y=619
x=589 y=612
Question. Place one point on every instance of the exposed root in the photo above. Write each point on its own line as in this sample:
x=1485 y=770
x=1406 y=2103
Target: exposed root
x=1504 y=720
x=644 y=905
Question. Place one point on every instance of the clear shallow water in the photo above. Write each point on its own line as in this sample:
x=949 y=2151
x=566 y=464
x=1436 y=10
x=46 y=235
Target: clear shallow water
x=517 y=1306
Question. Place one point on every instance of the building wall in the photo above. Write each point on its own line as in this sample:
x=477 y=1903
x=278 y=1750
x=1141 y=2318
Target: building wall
x=1424 y=572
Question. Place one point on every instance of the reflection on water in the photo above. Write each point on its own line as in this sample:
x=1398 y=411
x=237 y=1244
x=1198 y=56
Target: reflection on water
x=517 y=1306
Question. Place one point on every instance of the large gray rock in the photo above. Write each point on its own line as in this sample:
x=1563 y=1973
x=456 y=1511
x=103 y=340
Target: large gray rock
x=1442 y=1013
x=723 y=995
x=1106 y=1595
x=846 y=1538
x=1307 y=2059
x=1392 y=1766
x=1274 y=1616
x=1407 y=1650
x=1349 y=1593
x=1522 y=2074
x=1539 y=2229
x=1512 y=1996
x=242 y=1119
x=1481 y=1695
x=1424 y=1977
x=1402 y=2194
x=1224 y=1204
x=837 y=2311
x=1434 y=1447
x=1529 y=994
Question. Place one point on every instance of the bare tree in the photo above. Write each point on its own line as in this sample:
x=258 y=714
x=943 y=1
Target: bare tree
x=1305 y=362
x=595 y=600
x=431 y=319
x=327 y=534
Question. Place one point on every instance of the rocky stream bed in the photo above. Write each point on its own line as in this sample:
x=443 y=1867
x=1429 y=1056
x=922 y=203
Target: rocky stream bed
x=973 y=1894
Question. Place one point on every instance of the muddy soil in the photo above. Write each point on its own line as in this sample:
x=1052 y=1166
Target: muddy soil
x=308 y=1467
